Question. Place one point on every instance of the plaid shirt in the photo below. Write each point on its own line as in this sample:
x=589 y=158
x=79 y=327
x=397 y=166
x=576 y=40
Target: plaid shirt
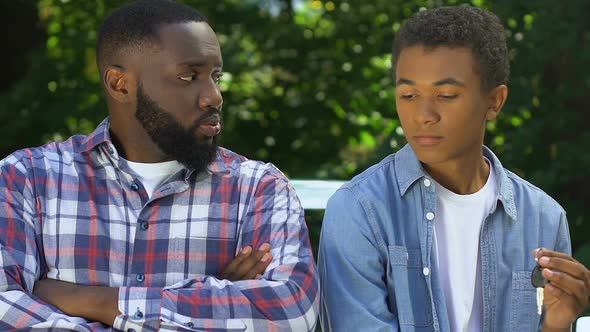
x=74 y=212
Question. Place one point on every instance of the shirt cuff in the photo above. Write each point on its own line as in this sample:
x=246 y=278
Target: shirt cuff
x=140 y=307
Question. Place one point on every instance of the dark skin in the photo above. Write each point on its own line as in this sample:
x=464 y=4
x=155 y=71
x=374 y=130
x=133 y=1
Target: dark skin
x=181 y=74
x=566 y=296
x=443 y=109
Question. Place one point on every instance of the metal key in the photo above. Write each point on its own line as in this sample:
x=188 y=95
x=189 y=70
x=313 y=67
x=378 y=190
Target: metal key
x=539 y=283
x=539 y=300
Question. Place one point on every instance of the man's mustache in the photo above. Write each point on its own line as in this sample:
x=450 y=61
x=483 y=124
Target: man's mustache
x=209 y=112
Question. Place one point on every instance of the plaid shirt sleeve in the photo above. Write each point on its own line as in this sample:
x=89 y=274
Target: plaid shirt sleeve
x=20 y=263
x=285 y=299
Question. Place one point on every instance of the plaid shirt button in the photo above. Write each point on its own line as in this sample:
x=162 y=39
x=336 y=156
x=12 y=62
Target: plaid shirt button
x=140 y=278
x=138 y=315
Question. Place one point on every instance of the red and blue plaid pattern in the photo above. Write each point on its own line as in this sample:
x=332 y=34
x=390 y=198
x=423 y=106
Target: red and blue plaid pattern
x=73 y=211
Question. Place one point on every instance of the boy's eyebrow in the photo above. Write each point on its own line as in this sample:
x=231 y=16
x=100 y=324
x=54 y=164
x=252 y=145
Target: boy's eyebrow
x=446 y=81
x=449 y=81
x=406 y=81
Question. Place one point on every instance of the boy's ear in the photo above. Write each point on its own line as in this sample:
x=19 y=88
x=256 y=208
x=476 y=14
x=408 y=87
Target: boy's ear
x=496 y=99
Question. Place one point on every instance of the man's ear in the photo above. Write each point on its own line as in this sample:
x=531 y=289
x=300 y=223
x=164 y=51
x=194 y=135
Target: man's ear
x=119 y=84
x=496 y=99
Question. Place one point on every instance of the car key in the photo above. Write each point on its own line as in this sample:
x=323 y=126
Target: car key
x=539 y=283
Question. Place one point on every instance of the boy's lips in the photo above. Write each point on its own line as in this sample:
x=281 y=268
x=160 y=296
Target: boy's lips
x=425 y=140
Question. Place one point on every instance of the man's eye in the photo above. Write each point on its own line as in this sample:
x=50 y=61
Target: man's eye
x=408 y=96
x=217 y=77
x=449 y=96
x=188 y=77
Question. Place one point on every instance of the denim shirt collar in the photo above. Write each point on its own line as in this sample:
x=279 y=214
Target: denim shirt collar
x=409 y=169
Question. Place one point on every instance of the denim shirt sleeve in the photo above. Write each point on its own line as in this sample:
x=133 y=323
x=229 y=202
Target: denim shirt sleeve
x=352 y=270
x=563 y=243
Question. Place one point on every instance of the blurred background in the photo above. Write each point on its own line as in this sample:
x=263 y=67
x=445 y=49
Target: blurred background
x=308 y=86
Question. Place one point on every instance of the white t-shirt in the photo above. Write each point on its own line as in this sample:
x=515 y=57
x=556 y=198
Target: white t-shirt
x=152 y=175
x=456 y=243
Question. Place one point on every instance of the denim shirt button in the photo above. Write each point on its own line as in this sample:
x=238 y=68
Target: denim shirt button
x=430 y=216
x=130 y=330
x=190 y=325
x=427 y=182
x=426 y=271
x=134 y=186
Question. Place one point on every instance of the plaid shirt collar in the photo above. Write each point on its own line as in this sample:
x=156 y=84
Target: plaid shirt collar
x=101 y=137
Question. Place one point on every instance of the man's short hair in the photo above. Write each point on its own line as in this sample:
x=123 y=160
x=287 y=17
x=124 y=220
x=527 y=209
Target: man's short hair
x=463 y=26
x=134 y=27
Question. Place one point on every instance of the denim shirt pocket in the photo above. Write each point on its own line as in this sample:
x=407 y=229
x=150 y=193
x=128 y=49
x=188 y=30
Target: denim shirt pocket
x=523 y=315
x=410 y=291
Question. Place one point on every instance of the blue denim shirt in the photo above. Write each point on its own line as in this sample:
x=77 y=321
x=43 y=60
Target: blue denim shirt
x=376 y=261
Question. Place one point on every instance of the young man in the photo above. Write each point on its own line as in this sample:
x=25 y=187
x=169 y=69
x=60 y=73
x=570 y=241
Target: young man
x=146 y=224
x=439 y=236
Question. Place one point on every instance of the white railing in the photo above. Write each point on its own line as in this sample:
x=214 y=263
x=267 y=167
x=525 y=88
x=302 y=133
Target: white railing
x=314 y=194
x=583 y=324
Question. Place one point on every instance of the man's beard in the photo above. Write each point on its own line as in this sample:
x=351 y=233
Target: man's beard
x=171 y=137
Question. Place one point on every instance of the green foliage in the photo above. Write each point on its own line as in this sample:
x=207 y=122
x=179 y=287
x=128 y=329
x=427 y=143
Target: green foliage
x=308 y=86
x=543 y=124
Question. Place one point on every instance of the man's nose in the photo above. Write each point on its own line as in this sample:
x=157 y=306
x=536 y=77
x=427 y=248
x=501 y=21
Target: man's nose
x=210 y=96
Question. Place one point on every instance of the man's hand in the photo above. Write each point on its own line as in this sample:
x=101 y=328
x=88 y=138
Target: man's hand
x=248 y=264
x=97 y=304
x=568 y=291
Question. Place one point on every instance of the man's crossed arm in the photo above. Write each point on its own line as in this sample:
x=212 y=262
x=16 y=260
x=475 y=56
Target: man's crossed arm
x=101 y=304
